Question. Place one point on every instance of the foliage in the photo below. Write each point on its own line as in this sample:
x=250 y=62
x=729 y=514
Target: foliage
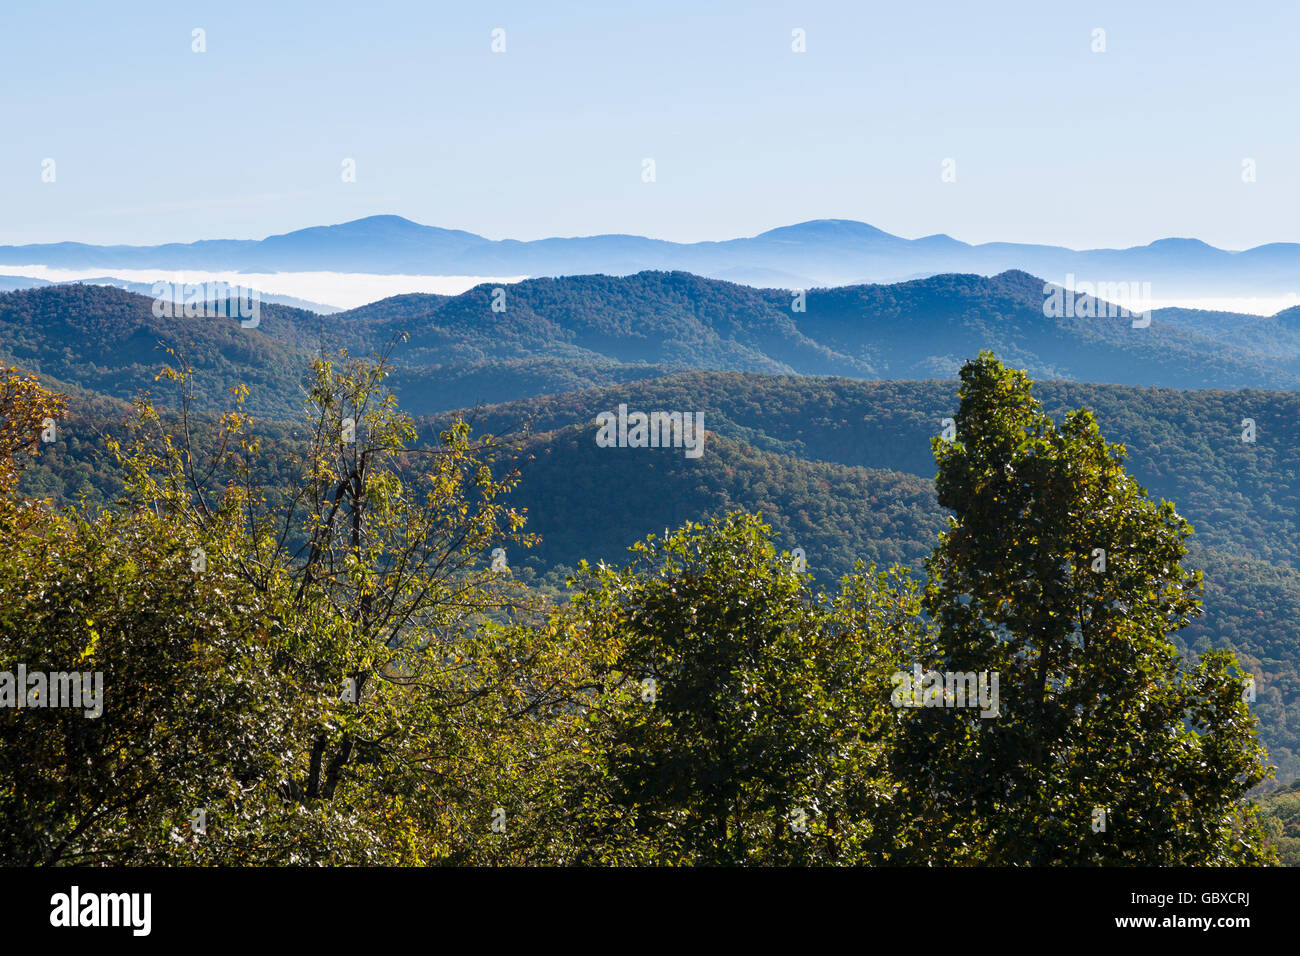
x=311 y=666
x=305 y=638
x=742 y=718
x=774 y=442
x=1059 y=575
x=1280 y=814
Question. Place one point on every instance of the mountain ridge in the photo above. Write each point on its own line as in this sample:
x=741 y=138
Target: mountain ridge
x=556 y=334
x=818 y=252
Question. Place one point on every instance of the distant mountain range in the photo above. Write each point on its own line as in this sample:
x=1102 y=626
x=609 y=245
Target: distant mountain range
x=825 y=252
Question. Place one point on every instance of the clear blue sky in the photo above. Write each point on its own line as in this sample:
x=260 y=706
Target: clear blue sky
x=1052 y=142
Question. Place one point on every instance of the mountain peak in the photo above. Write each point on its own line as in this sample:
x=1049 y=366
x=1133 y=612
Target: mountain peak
x=376 y=228
x=1177 y=244
x=384 y=219
x=826 y=230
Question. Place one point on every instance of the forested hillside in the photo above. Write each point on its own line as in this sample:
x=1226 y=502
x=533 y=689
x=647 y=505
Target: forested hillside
x=324 y=637
x=542 y=336
x=844 y=470
x=841 y=467
x=109 y=340
x=1185 y=446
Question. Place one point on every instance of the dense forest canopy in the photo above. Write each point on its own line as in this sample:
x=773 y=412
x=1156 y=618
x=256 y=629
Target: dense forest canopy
x=369 y=680
x=844 y=470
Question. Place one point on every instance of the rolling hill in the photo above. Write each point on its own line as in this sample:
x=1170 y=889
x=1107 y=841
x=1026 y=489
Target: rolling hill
x=552 y=335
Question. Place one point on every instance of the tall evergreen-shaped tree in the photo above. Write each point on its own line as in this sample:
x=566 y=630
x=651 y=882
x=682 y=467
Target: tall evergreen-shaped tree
x=1059 y=574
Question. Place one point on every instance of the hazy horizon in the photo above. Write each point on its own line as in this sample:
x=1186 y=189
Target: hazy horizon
x=770 y=114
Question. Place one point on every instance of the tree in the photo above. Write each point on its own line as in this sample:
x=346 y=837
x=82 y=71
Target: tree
x=740 y=718
x=195 y=729
x=306 y=648
x=1060 y=575
x=27 y=411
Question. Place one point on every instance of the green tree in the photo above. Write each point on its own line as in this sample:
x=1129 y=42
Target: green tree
x=1279 y=811
x=26 y=410
x=312 y=652
x=383 y=543
x=1061 y=576
x=196 y=726
x=740 y=718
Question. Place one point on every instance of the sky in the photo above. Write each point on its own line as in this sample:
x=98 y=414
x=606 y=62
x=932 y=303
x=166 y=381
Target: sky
x=1049 y=141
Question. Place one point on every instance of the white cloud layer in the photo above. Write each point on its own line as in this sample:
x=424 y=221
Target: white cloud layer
x=348 y=290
